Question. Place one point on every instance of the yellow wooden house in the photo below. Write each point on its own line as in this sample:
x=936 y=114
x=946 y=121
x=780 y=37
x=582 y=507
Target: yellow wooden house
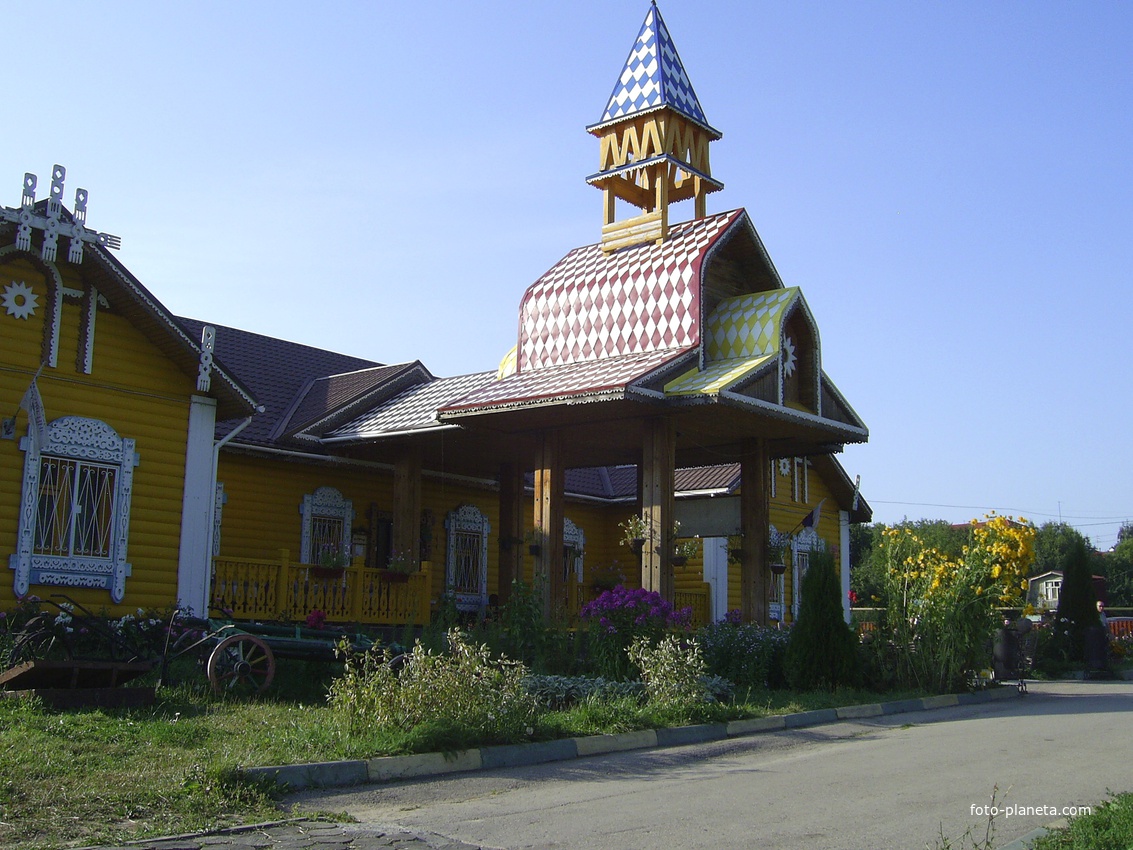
x=664 y=373
x=109 y=410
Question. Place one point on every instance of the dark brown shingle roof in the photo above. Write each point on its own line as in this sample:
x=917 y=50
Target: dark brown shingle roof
x=275 y=371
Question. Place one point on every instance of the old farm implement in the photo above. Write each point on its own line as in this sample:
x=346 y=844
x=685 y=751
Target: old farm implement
x=71 y=656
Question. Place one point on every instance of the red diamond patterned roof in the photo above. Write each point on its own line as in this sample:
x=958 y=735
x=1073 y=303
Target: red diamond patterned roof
x=594 y=305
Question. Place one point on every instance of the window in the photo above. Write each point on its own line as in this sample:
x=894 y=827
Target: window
x=75 y=508
x=466 y=564
x=574 y=545
x=805 y=542
x=327 y=518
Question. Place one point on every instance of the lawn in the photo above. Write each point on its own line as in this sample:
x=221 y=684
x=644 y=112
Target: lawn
x=78 y=777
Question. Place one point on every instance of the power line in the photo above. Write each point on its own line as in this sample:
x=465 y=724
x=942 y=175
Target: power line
x=1123 y=517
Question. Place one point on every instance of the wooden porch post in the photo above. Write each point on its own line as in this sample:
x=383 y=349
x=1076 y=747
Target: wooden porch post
x=549 y=520
x=407 y=505
x=657 y=482
x=511 y=528
x=755 y=523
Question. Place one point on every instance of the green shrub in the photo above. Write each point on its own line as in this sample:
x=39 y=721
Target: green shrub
x=621 y=616
x=464 y=692
x=747 y=655
x=1077 y=605
x=673 y=672
x=822 y=650
x=560 y=692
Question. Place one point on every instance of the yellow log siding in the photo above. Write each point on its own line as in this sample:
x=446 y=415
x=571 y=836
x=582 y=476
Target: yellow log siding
x=261 y=513
x=135 y=390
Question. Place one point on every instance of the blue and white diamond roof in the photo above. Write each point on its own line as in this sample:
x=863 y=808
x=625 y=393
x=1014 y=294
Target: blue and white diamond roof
x=653 y=76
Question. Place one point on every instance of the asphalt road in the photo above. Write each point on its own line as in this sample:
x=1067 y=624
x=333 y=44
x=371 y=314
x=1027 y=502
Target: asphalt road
x=886 y=783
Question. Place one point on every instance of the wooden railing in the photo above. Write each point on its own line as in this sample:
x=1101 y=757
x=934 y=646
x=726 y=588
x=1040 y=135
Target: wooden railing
x=278 y=589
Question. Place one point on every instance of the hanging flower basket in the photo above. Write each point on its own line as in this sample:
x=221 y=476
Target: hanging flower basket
x=637 y=545
x=394 y=576
x=680 y=560
x=535 y=549
x=778 y=569
x=326 y=573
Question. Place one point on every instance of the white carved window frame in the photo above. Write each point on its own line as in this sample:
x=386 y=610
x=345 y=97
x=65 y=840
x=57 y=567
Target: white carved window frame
x=325 y=503
x=574 y=539
x=82 y=440
x=467 y=530
x=805 y=542
x=775 y=604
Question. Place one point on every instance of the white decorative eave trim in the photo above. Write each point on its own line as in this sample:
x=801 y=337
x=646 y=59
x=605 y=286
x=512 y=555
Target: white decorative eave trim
x=622 y=119
x=622 y=170
x=830 y=386
x=789 y=414
x=157 y=310
x=372 y=436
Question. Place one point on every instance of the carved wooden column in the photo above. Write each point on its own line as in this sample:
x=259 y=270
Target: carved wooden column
x=657 y=481
x=755 y=523
x=549 y=520
x=407 y=505
x=511 y=528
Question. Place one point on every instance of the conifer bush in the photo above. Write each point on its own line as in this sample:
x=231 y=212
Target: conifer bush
x=822 y=651
x=1077 y=605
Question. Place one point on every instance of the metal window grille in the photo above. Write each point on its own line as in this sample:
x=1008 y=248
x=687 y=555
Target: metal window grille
x=75 y=512
x=466 y=549
x=326 y=538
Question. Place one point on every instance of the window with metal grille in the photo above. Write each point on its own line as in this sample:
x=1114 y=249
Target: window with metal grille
x=466 y=561
x=466 y=551
x=75 y=507
x=327 y=521
x=75 y=515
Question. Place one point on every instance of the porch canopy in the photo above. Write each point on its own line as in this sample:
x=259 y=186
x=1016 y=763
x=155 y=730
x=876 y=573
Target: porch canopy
x=686 y=353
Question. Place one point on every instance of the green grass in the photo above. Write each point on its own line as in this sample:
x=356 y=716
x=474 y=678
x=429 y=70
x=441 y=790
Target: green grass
x=94 y=776
x=1108 y=826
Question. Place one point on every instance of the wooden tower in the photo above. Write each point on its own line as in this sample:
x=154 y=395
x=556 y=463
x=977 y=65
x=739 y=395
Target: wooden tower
x=654 y=141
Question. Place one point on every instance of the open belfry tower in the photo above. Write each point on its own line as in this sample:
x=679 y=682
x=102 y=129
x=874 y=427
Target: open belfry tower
x=654 y=141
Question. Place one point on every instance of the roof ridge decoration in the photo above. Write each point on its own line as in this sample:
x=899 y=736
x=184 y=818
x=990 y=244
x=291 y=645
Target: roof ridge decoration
x=653 y=76
x=654 y=141
x=53 y=222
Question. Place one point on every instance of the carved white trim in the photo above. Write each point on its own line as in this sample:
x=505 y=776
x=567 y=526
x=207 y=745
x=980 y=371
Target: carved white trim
x=87 y=440
x=573 y=537
x=325 y=502
x=805 y=542
x=204 y=369
x=467 y=520
x=218 y=517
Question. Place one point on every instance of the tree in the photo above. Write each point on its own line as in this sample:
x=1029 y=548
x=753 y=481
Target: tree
x=1052 y=541
x=1118 y=570
x=1077 y=603
x=822 y=652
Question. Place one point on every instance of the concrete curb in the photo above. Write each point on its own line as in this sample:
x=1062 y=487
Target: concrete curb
x=392 y=768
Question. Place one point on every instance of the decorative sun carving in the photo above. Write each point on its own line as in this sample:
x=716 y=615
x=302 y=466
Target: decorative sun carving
x=784 y=466
x=789 y=358
x=19 y=300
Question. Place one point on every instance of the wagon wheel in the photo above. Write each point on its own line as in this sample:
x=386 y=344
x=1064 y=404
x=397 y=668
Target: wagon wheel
x=241 y=665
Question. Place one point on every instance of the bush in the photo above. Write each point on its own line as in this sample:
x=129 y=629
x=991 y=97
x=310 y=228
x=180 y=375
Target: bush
x=621 y=616
x=464 y=691
x=822 y=651
x=673 y=672
x=747 y=655
x=560 y=692
x=941 y=614
x=1077 y=605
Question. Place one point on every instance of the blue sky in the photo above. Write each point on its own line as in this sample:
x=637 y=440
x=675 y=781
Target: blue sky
x=949 y=183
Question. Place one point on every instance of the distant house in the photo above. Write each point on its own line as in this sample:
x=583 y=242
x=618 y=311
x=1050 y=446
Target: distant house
x=664 y=373
x=1044 y=589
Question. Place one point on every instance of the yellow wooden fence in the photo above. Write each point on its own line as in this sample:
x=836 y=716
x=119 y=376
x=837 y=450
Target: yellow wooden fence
x=250 y=589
